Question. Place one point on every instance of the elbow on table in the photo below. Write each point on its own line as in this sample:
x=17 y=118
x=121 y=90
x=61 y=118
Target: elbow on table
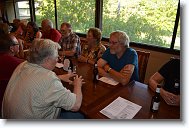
x=124 y=81
x=76 y=108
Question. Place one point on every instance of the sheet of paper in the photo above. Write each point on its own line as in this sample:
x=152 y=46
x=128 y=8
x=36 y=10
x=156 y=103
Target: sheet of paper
x=59 y=65
x=108 y=81
x=121 y=109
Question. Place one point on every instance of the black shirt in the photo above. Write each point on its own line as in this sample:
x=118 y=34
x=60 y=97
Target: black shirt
x=171 y=73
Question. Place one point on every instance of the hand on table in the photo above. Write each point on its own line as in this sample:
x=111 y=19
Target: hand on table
x=170 y=98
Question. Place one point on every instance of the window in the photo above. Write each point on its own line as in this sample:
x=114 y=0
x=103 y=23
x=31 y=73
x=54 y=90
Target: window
x=148 y=22
x=177 y=41
x=23 y=11
x=145 y=21
x=44 y=9
x=79 y=13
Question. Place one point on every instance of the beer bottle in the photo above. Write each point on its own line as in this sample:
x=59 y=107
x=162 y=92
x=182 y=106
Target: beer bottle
x=155 y=100
x=177 y=87
x=95 y=73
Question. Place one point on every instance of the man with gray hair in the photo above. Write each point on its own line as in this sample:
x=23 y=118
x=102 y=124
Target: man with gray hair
x=70 y=42
x=36 y=92
x=48 y=32
x=119 y=61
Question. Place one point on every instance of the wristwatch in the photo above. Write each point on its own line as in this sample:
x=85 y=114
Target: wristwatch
x=109 y=70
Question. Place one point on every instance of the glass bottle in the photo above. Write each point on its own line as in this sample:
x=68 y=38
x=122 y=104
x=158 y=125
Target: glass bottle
x=95 y=73
x=177 y=87
x=155 y=100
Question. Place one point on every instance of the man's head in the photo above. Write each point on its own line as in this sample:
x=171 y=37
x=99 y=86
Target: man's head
x=46 y=25
x=94 y=36
x=9 y=44
x=65 y=29
x=44 y=52
x=119 y=40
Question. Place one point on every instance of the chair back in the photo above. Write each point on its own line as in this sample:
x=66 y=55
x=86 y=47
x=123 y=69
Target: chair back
x=143 y=57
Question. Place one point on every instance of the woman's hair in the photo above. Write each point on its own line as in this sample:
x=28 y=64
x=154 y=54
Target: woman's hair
x=122 y=37
x=34 y=26
x=4 y=28
x=97 y=34
x=41 y=49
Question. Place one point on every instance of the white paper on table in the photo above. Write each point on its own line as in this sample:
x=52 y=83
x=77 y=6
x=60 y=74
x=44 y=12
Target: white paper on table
x=108 y=80
x=121 y=108
x=59 y=65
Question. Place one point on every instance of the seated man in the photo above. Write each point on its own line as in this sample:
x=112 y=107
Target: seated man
x=169 y=74
x=48 y=32
x=9 y=47
x=34 y=91
x=69 y=42
x=119 y=61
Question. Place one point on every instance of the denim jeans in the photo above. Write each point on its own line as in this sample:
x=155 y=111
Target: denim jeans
x=70 y=115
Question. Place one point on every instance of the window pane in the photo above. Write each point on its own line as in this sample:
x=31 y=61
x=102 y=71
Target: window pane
x=23 y=11
x=44 y=9
x=145 y=21
x=79 y=13
x=177 y=40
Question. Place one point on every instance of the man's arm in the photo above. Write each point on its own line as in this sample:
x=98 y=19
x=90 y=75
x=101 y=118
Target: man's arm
x=68 y=52
x=170 y=98
x=122 y=77
x=154 y=80
x=77 y=90
x=73 y=51
x=77 y=83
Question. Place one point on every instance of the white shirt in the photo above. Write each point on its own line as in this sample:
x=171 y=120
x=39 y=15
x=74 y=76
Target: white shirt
x=35 y=92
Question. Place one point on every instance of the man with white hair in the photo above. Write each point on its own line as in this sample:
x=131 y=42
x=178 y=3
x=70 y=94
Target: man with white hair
x=119 y=61
x=36 y=92
x=48 y=32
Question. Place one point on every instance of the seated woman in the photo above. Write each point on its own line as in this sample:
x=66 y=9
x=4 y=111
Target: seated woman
x=31 y=33
x=4 y=28
x=20 y=33
x=92 y=51
x=169 y=74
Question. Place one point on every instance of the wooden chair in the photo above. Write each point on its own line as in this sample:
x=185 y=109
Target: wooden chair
x=143 y=57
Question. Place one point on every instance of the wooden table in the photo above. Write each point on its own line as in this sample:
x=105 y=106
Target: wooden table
x=140 y=94
x=97 y=96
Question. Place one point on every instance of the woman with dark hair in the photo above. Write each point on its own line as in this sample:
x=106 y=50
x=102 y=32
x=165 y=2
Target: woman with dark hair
x=4 y=28
x=20 y=33
x=32 y=33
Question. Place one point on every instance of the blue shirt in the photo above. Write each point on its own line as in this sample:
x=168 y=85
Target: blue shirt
x=129 y=57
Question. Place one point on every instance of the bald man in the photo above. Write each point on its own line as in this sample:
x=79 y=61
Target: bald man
x=48 y=32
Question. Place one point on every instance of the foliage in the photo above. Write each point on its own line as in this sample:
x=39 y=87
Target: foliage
x=146 y=21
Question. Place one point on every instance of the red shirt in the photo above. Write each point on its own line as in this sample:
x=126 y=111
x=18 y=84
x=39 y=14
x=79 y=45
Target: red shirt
x=54 y=35
x=7 y=65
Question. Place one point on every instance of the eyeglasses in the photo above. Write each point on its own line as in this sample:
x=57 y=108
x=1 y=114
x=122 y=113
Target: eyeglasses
x=15 y=44
x=113 y=43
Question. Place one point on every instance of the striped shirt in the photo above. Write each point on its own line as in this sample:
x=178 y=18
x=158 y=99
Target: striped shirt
x=35 y=92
